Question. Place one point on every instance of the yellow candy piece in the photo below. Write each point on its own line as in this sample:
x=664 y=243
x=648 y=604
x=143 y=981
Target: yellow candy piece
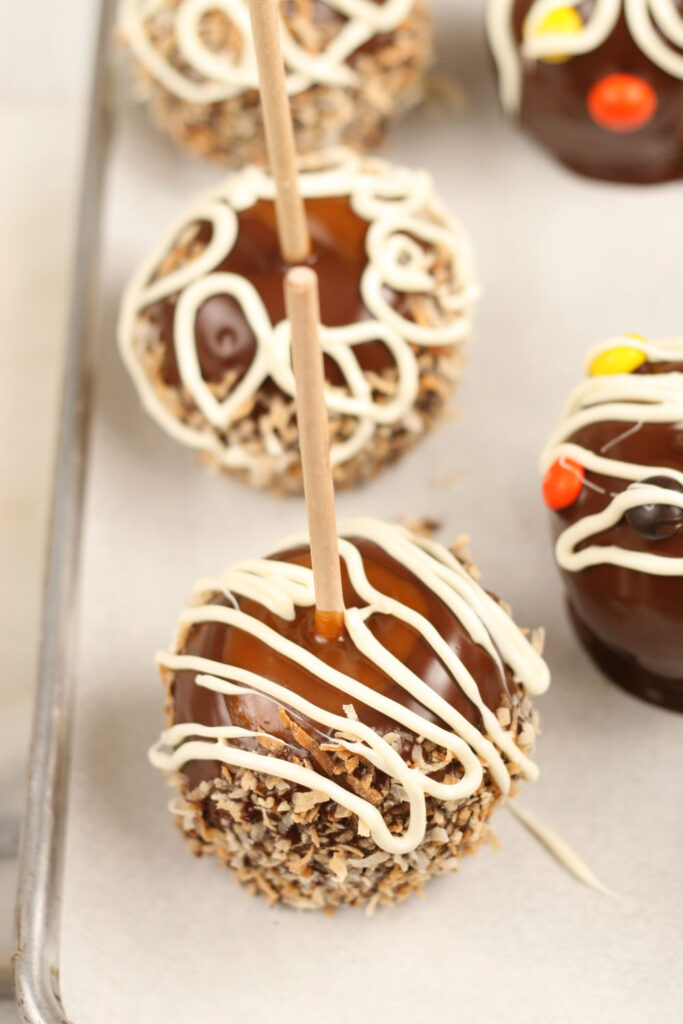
x=561 y=21
x=621 y=359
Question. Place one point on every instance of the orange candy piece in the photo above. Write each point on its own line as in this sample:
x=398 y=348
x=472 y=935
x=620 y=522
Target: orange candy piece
x=622 y=103
x=563 y=483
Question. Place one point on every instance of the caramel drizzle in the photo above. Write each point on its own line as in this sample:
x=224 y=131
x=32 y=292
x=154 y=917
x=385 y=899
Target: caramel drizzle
x=406 y=221
x=281 y=587
x=646 y=19
x=628 y=398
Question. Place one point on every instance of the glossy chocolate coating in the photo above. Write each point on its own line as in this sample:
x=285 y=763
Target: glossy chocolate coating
x=225 y=341
x=631 y=622
x=554 y=108
x=221 y=643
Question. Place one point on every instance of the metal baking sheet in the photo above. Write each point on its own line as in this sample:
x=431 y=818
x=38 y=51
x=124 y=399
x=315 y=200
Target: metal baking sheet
x=36 y=957
x=117 y=920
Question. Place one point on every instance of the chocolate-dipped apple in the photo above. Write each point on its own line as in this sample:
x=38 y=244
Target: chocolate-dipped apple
x=353 y=68
x=598 y=82
x=614 y=481
x=346 y=770
x=204 y=334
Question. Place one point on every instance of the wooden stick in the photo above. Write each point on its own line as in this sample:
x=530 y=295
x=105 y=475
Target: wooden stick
x=303 y=311
x=292 y=227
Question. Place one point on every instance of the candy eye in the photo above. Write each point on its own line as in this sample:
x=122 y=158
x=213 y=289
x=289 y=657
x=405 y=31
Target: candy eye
x=620 y=359
x=563 y=483
x=561 y=21
x=656 y=522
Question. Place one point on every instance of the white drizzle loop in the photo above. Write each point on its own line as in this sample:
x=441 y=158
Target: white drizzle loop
x=627 y=398
x=281 y=588
x=405 y=216
x=212 y=77
x=647 y=20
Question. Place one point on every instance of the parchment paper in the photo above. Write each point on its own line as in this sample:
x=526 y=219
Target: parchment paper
x=150 y=934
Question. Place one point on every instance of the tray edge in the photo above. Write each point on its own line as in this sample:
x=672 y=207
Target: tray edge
x=35 y=960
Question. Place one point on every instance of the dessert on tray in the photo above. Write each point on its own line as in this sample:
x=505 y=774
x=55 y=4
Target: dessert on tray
x=342 y=716
x=203 y=328
x=353 y=68
x=614 y=481
x=598 y=82
x=346 y=770
x=204 y=335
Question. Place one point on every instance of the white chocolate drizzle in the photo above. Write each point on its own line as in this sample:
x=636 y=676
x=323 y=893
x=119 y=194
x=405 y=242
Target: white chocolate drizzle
x=406 y=221
x=281 y=587
x=647 y=20
x=631 y=399
x=559 y=849
x=213 y=77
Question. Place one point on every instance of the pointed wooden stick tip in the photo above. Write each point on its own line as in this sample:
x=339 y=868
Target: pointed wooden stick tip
x=301 y=279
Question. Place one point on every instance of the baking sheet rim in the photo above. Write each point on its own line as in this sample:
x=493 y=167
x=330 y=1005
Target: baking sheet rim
x=36 y=957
